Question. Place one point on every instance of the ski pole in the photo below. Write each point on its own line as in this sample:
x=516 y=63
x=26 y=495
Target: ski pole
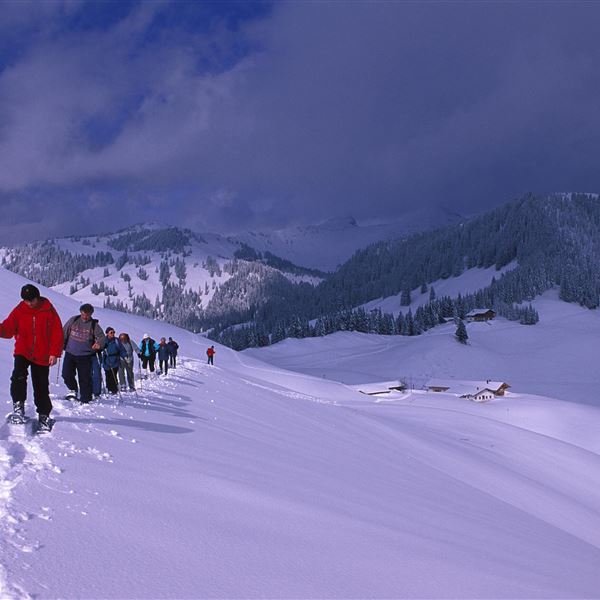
x=100 y=369
x=57 y=370
x=133 y=377
x=140 y=372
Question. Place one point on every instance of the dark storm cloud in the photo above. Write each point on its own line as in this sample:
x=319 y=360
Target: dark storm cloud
x=269 y=115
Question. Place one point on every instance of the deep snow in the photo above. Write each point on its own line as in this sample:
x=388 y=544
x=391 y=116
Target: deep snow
x=247 y=480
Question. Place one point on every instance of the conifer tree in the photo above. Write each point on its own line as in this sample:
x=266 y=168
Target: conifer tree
x=461 y=332
x=405 y=297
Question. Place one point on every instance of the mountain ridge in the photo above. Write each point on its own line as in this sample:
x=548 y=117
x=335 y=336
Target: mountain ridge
x=211 y=282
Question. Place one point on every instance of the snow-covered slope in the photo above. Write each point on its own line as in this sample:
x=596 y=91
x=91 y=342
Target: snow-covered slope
x=331 y=243
x=146 y=258
x=245 y=480
x=556 y=358
x=471 y=280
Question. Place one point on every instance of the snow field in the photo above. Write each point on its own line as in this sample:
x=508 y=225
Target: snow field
x=249 y=480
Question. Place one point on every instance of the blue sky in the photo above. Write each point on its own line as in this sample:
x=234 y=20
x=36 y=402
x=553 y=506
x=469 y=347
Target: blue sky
x=229 y=116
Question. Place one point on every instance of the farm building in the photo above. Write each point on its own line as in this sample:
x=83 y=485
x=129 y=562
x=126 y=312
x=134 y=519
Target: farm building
x=381 y=387
x=478 y=391
x=481 y=314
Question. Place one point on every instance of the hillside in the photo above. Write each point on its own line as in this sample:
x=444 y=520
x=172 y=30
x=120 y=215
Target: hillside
x=556 y=358
x=246 y=480
x=249 y=298
x=533 y=244
x=161 y=272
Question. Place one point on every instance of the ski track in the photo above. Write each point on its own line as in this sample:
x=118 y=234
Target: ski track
x=22 y=458
x=26 y=458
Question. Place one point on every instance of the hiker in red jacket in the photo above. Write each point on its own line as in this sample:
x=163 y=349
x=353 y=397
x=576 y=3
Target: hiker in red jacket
x=37 y=329
x=211 y=355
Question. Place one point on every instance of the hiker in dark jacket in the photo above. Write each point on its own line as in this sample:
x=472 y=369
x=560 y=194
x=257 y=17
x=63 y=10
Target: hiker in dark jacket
x=173 y=347
x=147 y=353
x=164 y=353
x=82 y=338
x=111 y=360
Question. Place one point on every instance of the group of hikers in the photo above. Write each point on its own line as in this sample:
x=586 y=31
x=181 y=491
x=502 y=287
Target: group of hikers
x=89 y=351
x=40 y=339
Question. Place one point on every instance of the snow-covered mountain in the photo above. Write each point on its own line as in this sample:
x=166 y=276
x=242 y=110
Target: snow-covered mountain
x=151 y=269
x=329 y=244
x=248 y=480
x=198 y=280
x=247 y=297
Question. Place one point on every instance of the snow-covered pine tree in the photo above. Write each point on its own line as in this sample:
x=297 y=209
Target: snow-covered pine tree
x=461 y=332
x=405 y=297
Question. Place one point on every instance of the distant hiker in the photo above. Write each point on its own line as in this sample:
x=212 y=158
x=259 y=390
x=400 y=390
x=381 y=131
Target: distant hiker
x=147 y=352
x=211 y=355
x=126 y=366
x=111 y=360
x=173 y=347
x=36 y=327
x=164 y=354
x=83 y=337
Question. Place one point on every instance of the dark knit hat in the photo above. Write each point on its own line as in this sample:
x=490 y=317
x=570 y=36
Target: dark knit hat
x=88 y=309
x=109 y=329
x=29 y=292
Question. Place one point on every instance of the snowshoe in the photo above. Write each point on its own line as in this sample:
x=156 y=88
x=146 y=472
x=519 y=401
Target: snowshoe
x=17 y=419
x=72 y=396
x=17 y=416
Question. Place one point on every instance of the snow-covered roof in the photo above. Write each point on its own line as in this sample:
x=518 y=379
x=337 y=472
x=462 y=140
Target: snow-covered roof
x=478 y=311
x=466 y=387
x=379 y=387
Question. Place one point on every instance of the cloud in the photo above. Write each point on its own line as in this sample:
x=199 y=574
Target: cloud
x=299 y=112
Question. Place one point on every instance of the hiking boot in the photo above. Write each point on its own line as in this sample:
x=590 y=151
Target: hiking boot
x=18 y=414
x=44 y=424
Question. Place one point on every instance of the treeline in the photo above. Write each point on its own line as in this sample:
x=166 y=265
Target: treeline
x=425 y=317
x=46 y=263
x=170 y=239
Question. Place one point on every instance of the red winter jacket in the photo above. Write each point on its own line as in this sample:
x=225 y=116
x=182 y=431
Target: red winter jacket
x=37 y=331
